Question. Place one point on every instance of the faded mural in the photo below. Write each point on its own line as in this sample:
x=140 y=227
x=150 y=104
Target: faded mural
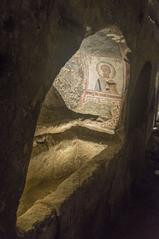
x=105 y=73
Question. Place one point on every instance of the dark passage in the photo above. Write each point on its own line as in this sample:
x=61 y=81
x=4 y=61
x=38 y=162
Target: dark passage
x=140 y=217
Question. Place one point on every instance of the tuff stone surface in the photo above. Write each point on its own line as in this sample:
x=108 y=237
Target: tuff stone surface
x=37 y=38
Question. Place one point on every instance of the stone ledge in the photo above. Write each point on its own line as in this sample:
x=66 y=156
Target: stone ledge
x=37 y=216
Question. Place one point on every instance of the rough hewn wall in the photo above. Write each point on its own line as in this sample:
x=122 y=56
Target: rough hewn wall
x=37 y=38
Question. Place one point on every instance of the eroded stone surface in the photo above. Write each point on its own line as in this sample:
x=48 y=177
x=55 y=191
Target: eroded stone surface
x=76 y=188
x=48 y=169
x=37 y=38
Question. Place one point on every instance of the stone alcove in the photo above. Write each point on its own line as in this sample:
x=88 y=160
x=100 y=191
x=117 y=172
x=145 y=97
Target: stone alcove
x=78 y=121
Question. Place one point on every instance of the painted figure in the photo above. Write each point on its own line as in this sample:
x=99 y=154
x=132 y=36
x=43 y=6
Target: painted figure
x=105 y=82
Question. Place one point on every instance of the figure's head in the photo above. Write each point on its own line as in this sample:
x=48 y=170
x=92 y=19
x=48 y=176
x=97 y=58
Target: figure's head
x=105 y=70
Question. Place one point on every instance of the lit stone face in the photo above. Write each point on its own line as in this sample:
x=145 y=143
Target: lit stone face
x=94 y=79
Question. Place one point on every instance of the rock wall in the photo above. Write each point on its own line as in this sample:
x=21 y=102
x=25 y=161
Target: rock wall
x=37 y=38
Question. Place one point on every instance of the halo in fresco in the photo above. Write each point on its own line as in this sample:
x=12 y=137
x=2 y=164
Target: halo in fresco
x=109 y=66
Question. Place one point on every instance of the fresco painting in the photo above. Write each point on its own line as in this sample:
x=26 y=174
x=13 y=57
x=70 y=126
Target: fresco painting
x=95 y=79
x=105 y=81
x=105 y=75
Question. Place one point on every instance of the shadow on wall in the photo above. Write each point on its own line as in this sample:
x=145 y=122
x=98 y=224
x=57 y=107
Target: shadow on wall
x=140 y=100
x=138 y=122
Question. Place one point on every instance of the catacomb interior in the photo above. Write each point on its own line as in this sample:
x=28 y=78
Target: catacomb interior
x=79 y=118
